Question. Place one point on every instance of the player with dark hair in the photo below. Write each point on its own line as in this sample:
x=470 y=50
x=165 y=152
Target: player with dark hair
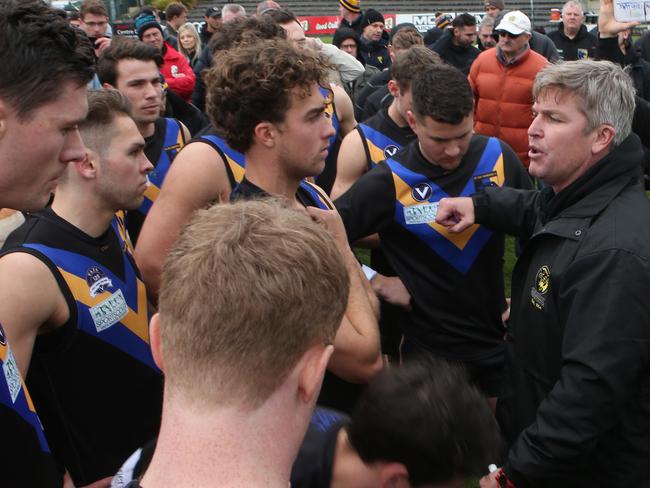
x=376 y=139
x=83 y=336
x=455 y=284
x=205 y=171
x=40 y=107
x=132 y=68
x=421 y=424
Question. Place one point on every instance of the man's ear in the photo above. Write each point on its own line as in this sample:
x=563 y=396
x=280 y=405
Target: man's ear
x=107 y=86
x=154 y=341
x=265 y=133
x=605 y=134
x=313 y=365
x=393 y=475
x=393 y=88
x=410 y=118
x=87 y=167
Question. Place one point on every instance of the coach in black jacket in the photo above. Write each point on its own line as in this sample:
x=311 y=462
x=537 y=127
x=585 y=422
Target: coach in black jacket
x=579 y=412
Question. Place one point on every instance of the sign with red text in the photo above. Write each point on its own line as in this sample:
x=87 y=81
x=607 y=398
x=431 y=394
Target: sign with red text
x=321 y=25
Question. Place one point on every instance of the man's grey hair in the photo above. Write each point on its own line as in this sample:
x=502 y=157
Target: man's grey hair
x=486 y=22
x=233 y=8
x=573 y=3
x=605 y=92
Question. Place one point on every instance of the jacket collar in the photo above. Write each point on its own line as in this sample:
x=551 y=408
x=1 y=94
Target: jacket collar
x=598 y=186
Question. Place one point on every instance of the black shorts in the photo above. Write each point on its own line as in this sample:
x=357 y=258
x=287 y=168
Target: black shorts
x=486 y=373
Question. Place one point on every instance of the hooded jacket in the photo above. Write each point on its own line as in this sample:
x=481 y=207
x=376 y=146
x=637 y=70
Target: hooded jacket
x=343 y=33
x=459 y=57
x=178 y=73
x=582 y=46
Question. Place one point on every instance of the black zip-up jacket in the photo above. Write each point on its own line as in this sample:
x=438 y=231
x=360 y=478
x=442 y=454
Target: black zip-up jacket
x=582 y=46
x=459 y=57
x=376 y=52
x=579 y=412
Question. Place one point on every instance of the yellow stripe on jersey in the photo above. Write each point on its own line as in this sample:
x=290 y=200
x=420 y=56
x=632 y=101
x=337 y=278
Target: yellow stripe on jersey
x=136 y=322
x=459 y=240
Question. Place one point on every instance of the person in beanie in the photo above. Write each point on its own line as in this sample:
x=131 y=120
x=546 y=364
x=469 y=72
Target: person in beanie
x=374 y=40
x=175 y=68
x=441 y=23
x=351 y=15
x=494 y=7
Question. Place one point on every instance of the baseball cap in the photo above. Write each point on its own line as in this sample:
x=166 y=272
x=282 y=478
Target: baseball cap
x=515 y=22
x=213 y=12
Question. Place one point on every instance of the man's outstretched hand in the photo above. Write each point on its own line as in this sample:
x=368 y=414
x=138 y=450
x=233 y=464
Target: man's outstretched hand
x=457 y=214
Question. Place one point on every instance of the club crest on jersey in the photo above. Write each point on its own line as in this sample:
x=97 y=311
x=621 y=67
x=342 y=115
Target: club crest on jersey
x=97 y=281
x=390 y=150
x=485 y=180
x=540 y=287
x=422 y=192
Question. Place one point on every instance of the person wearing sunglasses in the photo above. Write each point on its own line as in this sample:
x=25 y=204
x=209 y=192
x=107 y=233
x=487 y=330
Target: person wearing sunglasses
x=502 y=81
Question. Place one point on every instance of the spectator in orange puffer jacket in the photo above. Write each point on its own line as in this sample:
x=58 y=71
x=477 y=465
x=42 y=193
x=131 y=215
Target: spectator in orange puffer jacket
x=502 y=80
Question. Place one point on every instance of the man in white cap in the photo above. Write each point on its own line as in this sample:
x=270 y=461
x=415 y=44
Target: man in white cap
x=502 y=80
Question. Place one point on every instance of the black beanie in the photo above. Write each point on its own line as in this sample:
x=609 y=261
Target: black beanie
x=370 y=17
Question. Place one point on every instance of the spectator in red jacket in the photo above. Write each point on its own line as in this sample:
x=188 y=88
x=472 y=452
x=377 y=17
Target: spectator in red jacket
x=175 y=68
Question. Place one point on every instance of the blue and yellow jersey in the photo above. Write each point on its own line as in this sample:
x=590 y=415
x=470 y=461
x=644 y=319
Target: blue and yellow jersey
x=308 y=194
x=93 y=379
x=111 y=308
x=417 y=200
x=455 y=280
x=235 y=161
x=26 y=458
x=326 y=179
x=173 y=141
x=382 y=138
